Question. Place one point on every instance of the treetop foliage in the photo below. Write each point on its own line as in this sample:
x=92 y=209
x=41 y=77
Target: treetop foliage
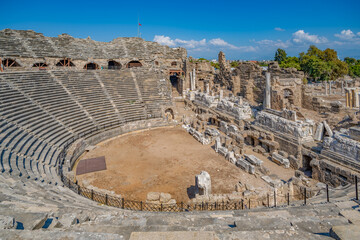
x=319 y=65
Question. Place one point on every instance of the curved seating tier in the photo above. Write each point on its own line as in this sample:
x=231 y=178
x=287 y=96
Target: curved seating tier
x=42 y=113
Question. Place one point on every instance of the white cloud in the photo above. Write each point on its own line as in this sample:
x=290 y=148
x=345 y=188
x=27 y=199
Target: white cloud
x=164 y=40
x=301 y=37
x=221 y=43
x=346 y=35
x=279 y=29
x=201 y=45
x=277 y=43
x=190 y=43
x=358 y=34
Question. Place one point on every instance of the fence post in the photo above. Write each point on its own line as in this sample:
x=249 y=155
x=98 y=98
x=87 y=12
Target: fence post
x=106 y=199
x=161 y=207
x=122 y=203
x=356 y=188
x=242 y=204
x=215 y=206
x=79 y=189
x=235 y=205
x=182 y=206
x=223 y=206
x=304 y=196
x=141 y=206
x=274 y=199
x=288 y=199
x=268 y=200
x=249 y=203
x=92 y=194
x=327 y=193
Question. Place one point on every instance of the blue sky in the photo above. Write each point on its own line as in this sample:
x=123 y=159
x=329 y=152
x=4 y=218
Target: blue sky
x=250 y=30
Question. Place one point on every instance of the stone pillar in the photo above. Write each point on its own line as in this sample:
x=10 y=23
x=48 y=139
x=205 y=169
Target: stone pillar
x=330 y=88
x=342 y=87
x=267 y=98
x=207 y=86
x=221 y=95
x=326 y=88
x=194 y=78
x=191 y=82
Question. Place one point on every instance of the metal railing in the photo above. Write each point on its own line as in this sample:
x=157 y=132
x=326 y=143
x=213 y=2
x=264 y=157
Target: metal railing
x=272 y=200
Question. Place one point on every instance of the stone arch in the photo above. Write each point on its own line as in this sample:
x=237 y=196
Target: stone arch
x=66 y=62
x=91 y=66
x=133 y=63
x=169 y=114
x=40 y=65
x=9 y=62
x=112 y=64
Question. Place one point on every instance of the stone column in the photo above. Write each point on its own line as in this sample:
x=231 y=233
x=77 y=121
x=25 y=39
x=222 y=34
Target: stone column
x=326 y=88
x=207 y=87
x=330 y=88
x=194 y=78
x=267 y=98
x=221 y=95
x=342 y=87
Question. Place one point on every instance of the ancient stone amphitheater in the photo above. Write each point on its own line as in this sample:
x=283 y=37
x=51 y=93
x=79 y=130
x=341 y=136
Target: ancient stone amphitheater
x=53 y=106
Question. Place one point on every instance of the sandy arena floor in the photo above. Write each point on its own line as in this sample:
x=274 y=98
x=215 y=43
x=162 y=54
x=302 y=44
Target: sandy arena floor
x=162 y=160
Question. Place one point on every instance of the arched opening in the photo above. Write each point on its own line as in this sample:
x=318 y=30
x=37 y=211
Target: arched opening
x=156 y=63
x=175 y=81
x=114 y=65
x=289 y=95
x=8 y=62
x=65 y=63
x=40 y=65
x=306 y=165
x=169 y=114
x=132 y=64
x=91 y=66
x=174 y=64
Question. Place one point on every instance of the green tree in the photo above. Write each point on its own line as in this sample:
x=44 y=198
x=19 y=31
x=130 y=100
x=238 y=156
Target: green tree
x=314 y=51
x=330 y=55
x=215 y=65
x=350 y=61
x=291 y=62
x=280 y=55
x=234 y=64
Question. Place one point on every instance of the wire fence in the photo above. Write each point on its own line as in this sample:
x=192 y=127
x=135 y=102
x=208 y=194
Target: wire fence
x=271 y=200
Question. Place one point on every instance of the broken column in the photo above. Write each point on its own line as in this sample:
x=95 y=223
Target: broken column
x=319 y=132
x=217 y=144
x=203 y=183
x=194 y=78
x=267 y=103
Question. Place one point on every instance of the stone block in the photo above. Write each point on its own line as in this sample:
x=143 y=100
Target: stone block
x=153 y=196
x=328 y=129
x=6 y=222
x=253 y=160
x=277 y=158
x=203 y=183
x=165 y=197
x=319 y=134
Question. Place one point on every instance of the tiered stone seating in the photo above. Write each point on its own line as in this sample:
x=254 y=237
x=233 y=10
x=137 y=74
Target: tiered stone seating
x=87 y=90
x=25 y=137
x=49 y=94
x=10 y=45
x=154 y=90
x=122 y=90
x=42 y=112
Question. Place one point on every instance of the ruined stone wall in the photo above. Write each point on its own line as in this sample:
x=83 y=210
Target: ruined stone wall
x=29 y=47
x=252 y=81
